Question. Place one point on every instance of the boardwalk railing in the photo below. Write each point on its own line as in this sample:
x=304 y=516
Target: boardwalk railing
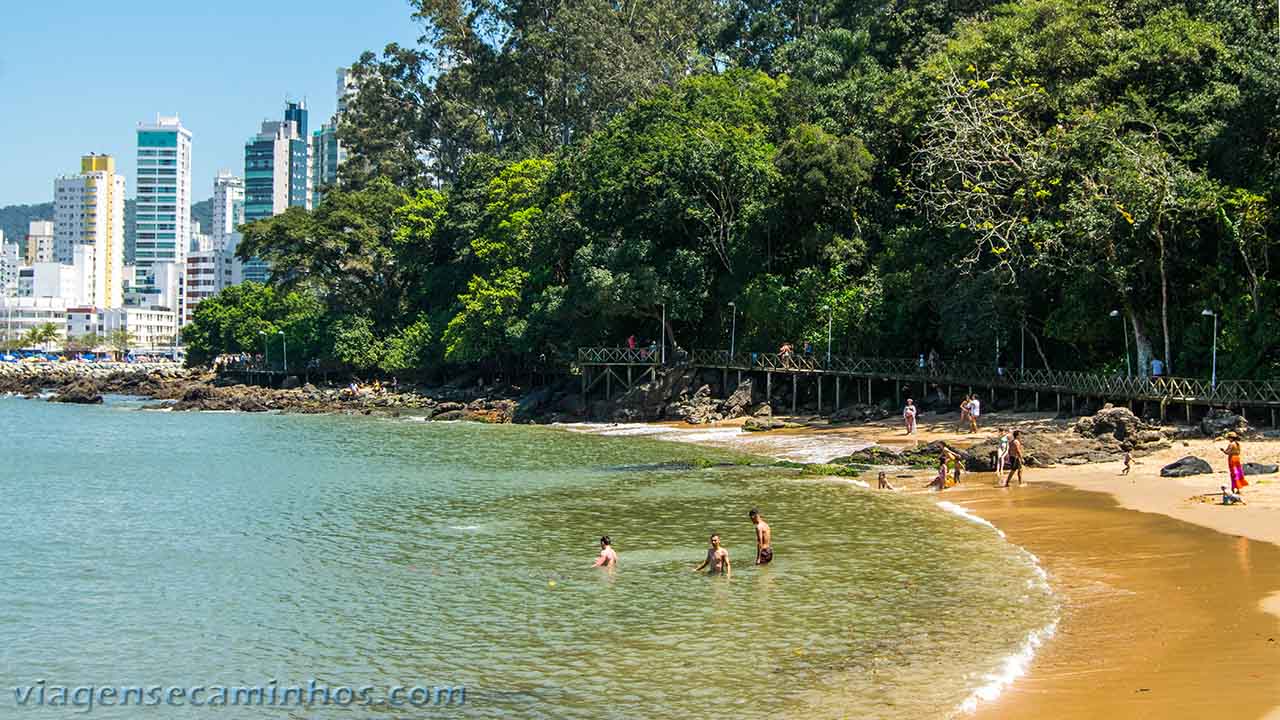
x=1164 y=389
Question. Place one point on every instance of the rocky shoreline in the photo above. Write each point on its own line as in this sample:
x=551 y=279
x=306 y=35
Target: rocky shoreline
x=182 y=389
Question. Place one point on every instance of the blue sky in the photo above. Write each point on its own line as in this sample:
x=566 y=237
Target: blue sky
x=76 y=76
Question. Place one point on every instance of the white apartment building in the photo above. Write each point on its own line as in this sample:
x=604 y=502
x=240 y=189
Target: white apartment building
x=163 y=202
x=151 y=327
x=18 y=315
x=89 y=211
x=209 y=269
x=82 y=321
x=228 y=210
x=40 y=242
x=10 y=261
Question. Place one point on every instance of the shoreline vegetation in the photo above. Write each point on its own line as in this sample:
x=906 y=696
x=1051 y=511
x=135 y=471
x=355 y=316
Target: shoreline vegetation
x=1153 y=601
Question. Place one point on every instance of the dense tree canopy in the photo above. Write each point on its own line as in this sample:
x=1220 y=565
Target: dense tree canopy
x=541 y=174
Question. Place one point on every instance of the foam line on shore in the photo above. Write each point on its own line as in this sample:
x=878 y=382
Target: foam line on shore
x=1016 y=664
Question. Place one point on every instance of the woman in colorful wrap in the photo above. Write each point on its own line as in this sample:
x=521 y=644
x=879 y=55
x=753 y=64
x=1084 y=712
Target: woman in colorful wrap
x=1234 y=467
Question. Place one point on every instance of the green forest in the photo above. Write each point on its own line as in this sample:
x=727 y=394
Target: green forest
x=1068 y=177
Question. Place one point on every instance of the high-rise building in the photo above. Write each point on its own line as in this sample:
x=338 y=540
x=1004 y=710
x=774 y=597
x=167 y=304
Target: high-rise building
x=209 y=270
x=163 y=206
x=10 y=261
x=39 y=242
x=327 y=152
x=89 y=210
x=277 y=173
x=228 y=210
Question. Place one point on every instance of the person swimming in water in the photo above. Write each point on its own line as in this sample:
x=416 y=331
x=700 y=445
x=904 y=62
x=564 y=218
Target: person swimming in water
x=764 y=538
x=608 y=557
x=717 y=562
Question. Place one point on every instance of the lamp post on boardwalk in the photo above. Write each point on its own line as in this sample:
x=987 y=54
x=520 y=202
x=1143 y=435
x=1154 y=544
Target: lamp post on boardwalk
x=1125 y=332
x=1213 y=379
x=828 y=309
x=284 y=344
x=733 y=332
x=664 y=334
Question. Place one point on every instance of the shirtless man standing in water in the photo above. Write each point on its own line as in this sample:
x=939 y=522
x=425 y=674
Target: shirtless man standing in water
x=608 y=557
x=717 y=562
x=764 y=538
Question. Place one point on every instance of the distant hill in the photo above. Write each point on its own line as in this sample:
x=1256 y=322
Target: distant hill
x=14 y=220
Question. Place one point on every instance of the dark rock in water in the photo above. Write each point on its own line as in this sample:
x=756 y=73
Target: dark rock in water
x=1218 y=422
x=196 y=393
x=874 y=455
x=1189 y=465
x=762 y=424
x=1260 y=469
x=82 y=392
x=448 y=415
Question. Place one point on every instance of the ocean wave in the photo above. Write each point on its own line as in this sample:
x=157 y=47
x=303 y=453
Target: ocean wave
x=1014 y=666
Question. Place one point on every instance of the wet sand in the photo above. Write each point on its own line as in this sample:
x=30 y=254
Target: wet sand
x=1163 y=593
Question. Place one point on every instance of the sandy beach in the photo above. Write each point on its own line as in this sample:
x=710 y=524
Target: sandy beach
x=1166 y=593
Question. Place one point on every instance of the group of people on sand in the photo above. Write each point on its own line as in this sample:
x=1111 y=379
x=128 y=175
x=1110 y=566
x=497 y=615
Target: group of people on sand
x=717 y=560
x=970 y=411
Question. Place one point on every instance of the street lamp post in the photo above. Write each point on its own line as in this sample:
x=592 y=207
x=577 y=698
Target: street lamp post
x=829 y=317
x=1125 y=332
x=284 y=344
x=664 y=334
x=733 y=332
x=1213 y=379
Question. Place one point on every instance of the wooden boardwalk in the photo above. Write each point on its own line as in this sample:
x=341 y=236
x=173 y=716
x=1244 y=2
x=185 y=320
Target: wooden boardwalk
x=857 y=380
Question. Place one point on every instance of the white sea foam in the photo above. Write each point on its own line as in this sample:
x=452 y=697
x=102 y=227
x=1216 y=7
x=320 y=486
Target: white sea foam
x=967 y=514
x=1015 y=665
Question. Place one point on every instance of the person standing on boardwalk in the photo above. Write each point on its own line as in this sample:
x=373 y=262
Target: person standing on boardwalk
x=764 y=538
x=1234 y=467
x=608 y=558
x=1015 y=459
x=909 y=416
x=717 y=561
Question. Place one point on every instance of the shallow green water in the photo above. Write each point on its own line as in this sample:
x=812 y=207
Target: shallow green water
x=145 y=548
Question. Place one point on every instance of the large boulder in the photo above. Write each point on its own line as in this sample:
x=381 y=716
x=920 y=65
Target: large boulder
x=1189 y=465
x=1111 y=422
x=1218 y=422
x=291 y=382
x=1260 y=469
x=82 y=392
x=739 y=403
x=859 y=413
x=762 y=424
x=699 y=409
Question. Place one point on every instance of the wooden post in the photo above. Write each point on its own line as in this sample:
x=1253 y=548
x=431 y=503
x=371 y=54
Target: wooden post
x=724 y=381
x=1037 y=401
x=1073 y=405
x=1188 y=413
x=1273 y=417
x=1057 y=404
x=835 y=408
x=768 y=387
x=795 y=392
x=608 y=383
x=1015 y=399
x=629 y=377
x=868 y=389
x=586 y=373
x=819 y=379
x=1162 y=408
x=739 y=378
x=897 y=392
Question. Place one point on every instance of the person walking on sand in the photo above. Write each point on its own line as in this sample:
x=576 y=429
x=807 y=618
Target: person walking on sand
x=1002 y=451
x=1234 y=467
x=1128 y=461
x=975 y=411
x=764 y=538
x=964 y=411
x=909 y=416
x=1015 y=459
x=717 y=561
x=608 y=558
